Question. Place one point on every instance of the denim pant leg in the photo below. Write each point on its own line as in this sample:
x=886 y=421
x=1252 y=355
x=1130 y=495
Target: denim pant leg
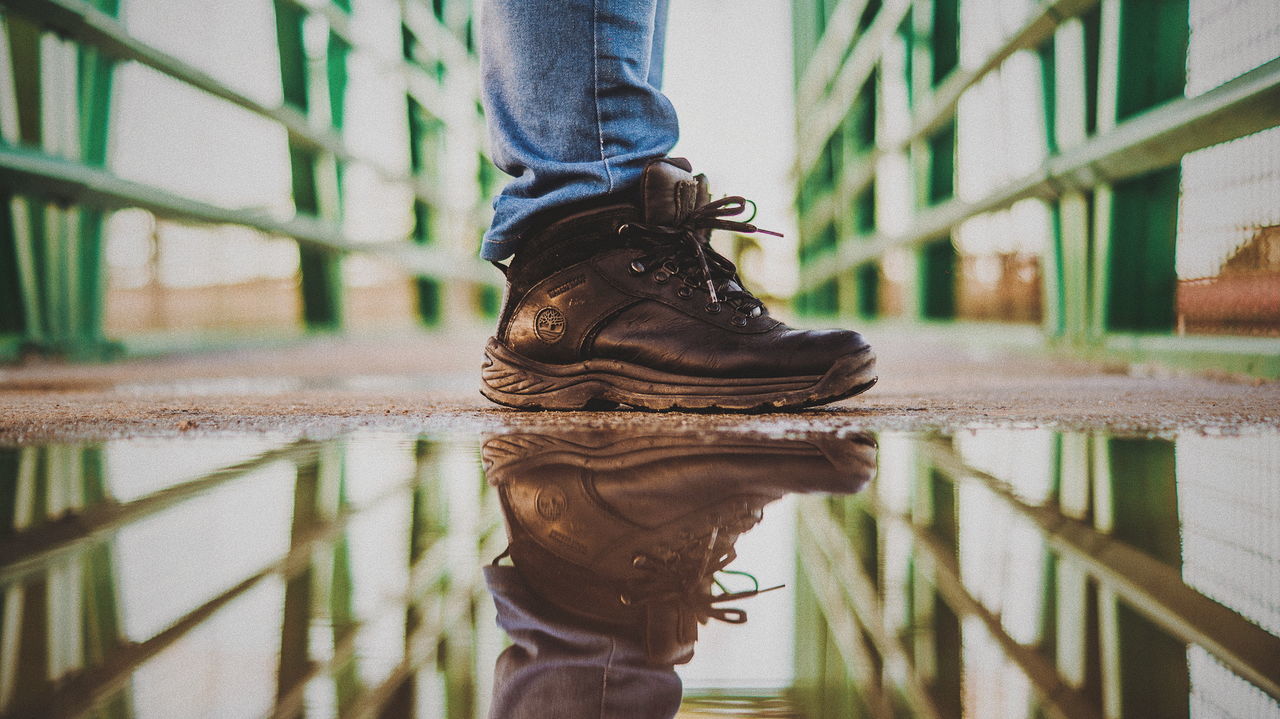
x=571 y=98
x=554 y=670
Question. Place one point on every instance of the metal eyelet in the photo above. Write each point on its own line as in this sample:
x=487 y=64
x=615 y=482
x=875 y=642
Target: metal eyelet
x=685 y=292
x=661 y=276
x=624 y=228
x=638 y=268
x=712 y=308
x=739 y=321
x=624 y=599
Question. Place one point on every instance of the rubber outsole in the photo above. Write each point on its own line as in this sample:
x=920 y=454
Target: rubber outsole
x=511 y=380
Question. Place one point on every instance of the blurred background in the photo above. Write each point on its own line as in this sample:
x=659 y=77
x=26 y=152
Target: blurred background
x=1096 y=177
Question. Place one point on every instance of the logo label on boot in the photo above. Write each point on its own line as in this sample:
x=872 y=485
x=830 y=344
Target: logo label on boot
x=548 y=325
x=551 y=503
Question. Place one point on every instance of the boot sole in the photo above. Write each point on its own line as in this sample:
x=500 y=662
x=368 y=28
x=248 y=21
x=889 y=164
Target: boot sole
x=515 y=381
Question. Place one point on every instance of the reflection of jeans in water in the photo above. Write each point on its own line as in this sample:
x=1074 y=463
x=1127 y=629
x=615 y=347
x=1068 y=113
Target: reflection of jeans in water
x=555 y=670
x=572 y=102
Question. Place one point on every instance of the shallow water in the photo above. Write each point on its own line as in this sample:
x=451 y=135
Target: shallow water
x=989 y=573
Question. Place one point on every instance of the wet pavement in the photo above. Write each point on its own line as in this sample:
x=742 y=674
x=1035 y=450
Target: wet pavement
x=509 y=568
x=428 y=383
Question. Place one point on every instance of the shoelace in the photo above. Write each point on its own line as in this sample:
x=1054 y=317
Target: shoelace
x=671 y=580
x=675 y=245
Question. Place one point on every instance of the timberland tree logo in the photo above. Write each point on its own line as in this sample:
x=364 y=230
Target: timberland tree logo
x=550 y=503
x=548 y=325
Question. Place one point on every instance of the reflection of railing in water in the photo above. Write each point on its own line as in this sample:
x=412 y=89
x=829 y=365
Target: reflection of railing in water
x=93 y=673
x=1115 y=619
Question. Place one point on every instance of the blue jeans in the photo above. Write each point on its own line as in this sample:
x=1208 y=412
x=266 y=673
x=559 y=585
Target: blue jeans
x=556 y=670
x=572 y=102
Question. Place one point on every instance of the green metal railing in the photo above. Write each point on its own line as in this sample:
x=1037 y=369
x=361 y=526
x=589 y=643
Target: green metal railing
x=57 y=60
x=885 y=607
x=1115 y=126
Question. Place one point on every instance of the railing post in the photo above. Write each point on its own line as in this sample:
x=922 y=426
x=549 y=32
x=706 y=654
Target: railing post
x=1144 y=45
x=313 y=193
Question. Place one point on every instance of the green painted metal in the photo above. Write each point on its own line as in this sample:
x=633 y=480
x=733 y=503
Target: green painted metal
x=937 y=281
x=1141 y=279
x=868 y=290
x=944 y=36
x=1117 y=124
x=50 y=252
x=321 y=271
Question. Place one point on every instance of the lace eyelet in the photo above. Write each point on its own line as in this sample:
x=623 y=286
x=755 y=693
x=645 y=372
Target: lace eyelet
x=739 y=321
x=685 y=292
x=637 y=267
x=712 y=308
x=661 y=276
x=624 y=228
x=624 y=600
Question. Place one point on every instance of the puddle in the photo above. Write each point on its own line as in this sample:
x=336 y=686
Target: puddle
x=990 y=573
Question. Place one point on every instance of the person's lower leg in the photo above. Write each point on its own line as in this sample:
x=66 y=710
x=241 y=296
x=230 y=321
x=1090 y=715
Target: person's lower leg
x=572 y=103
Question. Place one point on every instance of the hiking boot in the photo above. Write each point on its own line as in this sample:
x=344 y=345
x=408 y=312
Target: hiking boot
x=624 y=301
x=625 y=534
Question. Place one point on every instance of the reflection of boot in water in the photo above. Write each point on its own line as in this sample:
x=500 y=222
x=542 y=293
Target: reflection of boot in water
x=625 y=534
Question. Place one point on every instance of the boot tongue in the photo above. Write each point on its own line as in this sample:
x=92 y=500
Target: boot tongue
x=670 y=191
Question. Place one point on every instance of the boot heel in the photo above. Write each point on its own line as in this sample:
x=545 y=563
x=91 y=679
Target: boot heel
x=510 y=382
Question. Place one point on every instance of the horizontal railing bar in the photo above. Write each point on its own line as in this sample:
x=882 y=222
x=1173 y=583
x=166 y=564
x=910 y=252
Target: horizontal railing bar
x=940 y=105
x=32 y=173
x=29 y=551
x=825 y=60
x=864 y=601
x=825 y=118
x=84 y=23
x=1149 y=586
x=1061 y=699
x=1156 y=139
x=844 y=632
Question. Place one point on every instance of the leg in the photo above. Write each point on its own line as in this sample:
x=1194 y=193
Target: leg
x=572 y=104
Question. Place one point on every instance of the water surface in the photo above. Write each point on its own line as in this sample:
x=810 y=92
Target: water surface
x=986 y=573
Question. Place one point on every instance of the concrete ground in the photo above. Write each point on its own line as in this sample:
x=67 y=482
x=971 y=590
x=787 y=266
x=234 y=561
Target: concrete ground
x=427 y=383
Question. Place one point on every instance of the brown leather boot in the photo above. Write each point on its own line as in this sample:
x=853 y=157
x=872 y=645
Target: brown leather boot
x=625 y=302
